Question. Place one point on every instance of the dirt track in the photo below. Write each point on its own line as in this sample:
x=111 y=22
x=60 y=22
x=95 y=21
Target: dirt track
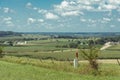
x=107 y=45
x=112 y=61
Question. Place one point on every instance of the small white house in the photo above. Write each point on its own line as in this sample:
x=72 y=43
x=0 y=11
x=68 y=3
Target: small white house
x=22 y=43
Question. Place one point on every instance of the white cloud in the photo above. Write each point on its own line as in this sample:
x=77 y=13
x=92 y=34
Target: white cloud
x=72 y=8
x=83 y=20
x=92 y=25
x=72 y=2
x=34 y=21
x=67 y=6
x=40 y=20
x=92 y=21
x=29 y=5
x=77 y=8
x=7 y=10
x=74 y=13
x=112 y=26
x=31 y=20
x=51 y=16
x=9 y=23
x=106 y=19
x=108 y=7
x=114 y=1
x=35 y=8
x=7 y=19
x=43 y=11
x=64 y=4
x=118 y=19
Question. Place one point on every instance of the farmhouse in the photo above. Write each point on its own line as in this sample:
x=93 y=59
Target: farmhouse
x=112 y=43
x=21 y=43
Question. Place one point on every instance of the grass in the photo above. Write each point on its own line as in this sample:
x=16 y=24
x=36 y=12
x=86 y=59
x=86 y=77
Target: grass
x=105 y=69
x=13 y=71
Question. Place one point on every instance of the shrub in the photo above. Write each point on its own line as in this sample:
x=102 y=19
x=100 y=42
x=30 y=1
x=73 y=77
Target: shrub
x=1 y=51
x=91 y=55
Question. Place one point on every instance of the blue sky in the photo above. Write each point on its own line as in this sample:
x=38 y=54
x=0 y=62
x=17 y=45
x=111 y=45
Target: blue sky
x=60 y=15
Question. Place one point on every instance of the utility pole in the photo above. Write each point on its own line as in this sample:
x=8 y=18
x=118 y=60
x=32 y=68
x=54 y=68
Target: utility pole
x=76 y=60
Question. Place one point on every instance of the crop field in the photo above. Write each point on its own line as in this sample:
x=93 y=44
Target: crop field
x=41 y=49
x=112 y=52
x=47 y=49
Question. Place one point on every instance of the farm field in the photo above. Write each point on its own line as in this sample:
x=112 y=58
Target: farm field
x=46 y=49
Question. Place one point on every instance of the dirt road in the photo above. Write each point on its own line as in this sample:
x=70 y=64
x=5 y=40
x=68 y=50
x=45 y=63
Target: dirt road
x=107 y=45
x=108 y=61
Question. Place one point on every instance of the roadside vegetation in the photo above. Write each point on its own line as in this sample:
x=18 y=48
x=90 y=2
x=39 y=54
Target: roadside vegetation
x=92 y=55
x=12 y=71
x=1 y=52
x=110 y=69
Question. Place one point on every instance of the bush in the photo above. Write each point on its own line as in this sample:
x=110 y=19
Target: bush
x=91 y=55
x=1 y=51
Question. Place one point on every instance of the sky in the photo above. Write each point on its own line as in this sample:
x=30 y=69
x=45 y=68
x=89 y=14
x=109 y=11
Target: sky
x=60 y=15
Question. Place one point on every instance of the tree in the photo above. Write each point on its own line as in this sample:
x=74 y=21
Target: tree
x=73 y=45
x=1 y=51
x=91 y=55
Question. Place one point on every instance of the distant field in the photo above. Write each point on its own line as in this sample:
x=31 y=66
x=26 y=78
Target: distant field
x=42 y=49
x=46 y=51
x=115 y=47
x=111 y=52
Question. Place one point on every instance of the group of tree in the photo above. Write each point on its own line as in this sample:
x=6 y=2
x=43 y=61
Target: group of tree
x=103 y=40
x=9 y=33
x=84 y=44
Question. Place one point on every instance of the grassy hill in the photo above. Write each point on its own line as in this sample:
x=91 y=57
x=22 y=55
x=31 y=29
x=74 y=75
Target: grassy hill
x=12 y=71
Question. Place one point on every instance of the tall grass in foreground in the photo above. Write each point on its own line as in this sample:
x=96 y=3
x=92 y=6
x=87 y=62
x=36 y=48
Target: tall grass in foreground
x=11 y=71
x=67 y=66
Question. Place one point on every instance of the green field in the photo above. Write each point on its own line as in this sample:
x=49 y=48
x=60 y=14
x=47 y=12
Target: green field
x=112 y=52
x=46 y=49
